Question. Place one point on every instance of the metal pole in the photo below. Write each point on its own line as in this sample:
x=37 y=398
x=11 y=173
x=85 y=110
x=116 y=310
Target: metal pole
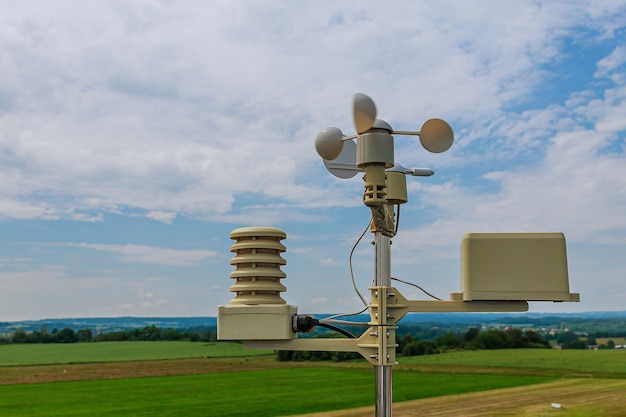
x=382 y=244
x=383 y=390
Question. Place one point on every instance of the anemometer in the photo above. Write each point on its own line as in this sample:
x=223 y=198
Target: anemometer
x=500 y=272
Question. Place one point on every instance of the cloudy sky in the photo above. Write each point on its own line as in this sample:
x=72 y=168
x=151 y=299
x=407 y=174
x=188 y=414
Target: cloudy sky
x=135 y=136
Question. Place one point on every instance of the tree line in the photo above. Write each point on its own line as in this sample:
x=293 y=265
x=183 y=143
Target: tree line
x=148 y=333
x=472 y=339
x=409 y=344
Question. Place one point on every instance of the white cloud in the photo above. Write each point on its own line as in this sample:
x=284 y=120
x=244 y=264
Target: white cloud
x=610 y=65
x=181 y=109
x=149 y=254
x=148 y=300
x=191 y=115
x=162 y=216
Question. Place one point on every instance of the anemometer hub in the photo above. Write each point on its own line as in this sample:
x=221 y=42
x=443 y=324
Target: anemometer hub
x=374 y=147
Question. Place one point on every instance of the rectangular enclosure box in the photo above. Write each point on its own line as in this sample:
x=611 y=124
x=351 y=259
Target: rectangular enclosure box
x=255 y=322
x=514 y=266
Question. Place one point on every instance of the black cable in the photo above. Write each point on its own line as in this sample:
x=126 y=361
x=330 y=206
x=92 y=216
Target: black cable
x=306 y=323
x=395 y=232
x=337 y=329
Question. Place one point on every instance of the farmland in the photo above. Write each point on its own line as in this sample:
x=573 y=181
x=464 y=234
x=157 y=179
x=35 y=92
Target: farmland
x=199 y=379
x=37 y=354
x=598 y=363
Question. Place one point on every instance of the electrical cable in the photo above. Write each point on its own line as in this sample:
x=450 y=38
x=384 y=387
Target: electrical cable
x=416 y=286
x=325 y=322
x=337 y=329
x=345 y=322
x=350 y=262
x=345 y=314
x=305 y=323
x=395 y=232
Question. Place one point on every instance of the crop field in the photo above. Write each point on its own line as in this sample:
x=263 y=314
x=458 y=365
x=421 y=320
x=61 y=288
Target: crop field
x=221 y=383
x=565 y=362
x=563 y=398
x=37 y=354
x=616 y=340
x=269 y=392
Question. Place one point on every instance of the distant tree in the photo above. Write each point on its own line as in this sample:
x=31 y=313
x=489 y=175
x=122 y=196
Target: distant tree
x=84 y=335
x=171 y=334
x=19 y=336
x=66 y=335
x=515 y=338
x=208 y=336
x=413 y=349
x=404 y=340
x=575 y=344
x=492 y=339
x=570 y=340
x=564 y=338
x=191 y=336
x=419 y=347
x=448 y=341
x=151 y=333
x=34 y=337
x=45 y=336
x=534 y=340
x=470 y=335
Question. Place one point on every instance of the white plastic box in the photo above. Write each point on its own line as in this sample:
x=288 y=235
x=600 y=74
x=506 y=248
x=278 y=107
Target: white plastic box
x=514 y=266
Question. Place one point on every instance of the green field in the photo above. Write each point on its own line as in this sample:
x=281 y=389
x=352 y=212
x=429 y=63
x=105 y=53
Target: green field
x=258 y=393
x=611 y=361
x=277 y=388
x=40 y=354
x=616 y=340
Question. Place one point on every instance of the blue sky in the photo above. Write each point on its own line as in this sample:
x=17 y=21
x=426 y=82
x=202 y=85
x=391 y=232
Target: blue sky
x=135 y=136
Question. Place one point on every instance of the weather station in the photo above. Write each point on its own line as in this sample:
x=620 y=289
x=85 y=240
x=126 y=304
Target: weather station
x=500 y=272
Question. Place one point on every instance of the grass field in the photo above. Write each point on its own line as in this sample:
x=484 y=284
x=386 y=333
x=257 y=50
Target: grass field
x=616 y=340
x=271 y=392
x=219 y=380
x=573 y=397
x=39 y=354
x=594 y=362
